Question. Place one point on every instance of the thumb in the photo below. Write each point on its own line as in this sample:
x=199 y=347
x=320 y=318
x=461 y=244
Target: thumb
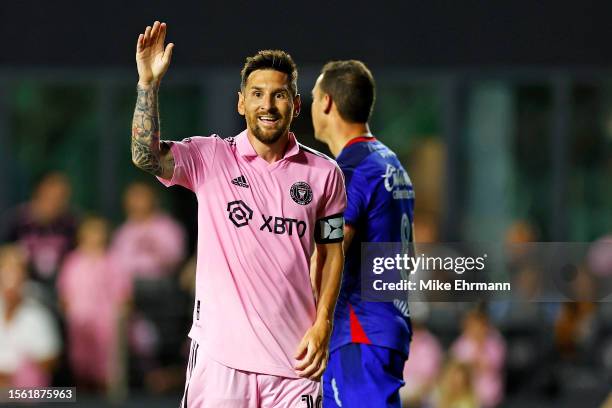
x=168 y=53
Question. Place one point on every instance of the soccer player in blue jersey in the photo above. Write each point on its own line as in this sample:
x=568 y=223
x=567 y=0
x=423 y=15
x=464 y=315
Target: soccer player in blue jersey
x=370 y=340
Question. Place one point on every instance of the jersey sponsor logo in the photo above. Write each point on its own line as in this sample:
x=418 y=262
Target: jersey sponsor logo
x=239 y=213
x=280 y=225
x=301 y=193
x=241 y=181
x=398 y=182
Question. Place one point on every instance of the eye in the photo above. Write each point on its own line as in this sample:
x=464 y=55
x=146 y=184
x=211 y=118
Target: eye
x=281 y=95
x=257 y=94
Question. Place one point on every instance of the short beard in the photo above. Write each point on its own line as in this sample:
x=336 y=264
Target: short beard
x=268 y=140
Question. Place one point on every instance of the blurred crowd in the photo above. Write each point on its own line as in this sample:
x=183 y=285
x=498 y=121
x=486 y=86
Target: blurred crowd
x=89 y=305
x=107 y=309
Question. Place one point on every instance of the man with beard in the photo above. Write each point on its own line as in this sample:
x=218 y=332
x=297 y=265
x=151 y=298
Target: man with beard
x=264 y=200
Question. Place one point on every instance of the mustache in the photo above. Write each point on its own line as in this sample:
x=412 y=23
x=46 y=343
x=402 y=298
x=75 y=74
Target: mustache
x=271 y=111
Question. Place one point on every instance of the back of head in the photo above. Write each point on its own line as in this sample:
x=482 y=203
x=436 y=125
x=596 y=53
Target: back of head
x=270 y=59
x=352 y=88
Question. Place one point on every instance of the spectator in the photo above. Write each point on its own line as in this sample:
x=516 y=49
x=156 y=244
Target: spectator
x=483 y=348
x=574 y=327
x=44 y=227
x=93 y=291
x=599 y=256
x=150 y=244
x=456 y=389
x=29 y=339
x=423 y=366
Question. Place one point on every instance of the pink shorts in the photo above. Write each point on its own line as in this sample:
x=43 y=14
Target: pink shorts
x=210 y=384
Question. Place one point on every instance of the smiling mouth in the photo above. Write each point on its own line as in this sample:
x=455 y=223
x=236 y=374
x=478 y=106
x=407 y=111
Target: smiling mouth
x=268 y=121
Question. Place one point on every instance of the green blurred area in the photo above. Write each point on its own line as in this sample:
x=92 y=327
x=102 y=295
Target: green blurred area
x=503 y=168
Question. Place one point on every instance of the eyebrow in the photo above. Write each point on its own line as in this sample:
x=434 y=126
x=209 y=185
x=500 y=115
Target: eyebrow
x=259 y=88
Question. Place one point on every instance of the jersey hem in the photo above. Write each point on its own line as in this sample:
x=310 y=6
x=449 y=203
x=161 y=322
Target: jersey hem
x=274 y=370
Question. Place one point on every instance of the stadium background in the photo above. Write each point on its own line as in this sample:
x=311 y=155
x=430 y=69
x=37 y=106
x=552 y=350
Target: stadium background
x=501 y=112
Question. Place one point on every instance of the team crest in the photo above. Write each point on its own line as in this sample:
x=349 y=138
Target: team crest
x=301 y=193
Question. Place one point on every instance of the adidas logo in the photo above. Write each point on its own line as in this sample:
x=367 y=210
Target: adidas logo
x=241 y=181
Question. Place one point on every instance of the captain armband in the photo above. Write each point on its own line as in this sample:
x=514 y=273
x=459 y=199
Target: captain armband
x=330 y=229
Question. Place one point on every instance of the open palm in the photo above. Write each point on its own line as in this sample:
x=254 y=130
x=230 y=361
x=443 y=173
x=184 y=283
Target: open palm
x=152 y=58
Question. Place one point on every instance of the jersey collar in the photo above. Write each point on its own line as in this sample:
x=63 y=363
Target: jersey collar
x=359 y=139
x=245 y=148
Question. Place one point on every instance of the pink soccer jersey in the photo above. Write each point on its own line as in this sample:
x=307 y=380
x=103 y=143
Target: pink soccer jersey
x=257 y=226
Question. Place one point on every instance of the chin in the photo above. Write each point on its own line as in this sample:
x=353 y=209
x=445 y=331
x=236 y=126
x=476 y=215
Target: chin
x=268 y=138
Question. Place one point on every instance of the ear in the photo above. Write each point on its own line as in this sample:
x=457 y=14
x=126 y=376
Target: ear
x=241 y=104
x=327 y=103
x=297 y=105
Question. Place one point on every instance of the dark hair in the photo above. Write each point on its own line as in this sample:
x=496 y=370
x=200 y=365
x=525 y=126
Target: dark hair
x=352 y=88
x=271 y=59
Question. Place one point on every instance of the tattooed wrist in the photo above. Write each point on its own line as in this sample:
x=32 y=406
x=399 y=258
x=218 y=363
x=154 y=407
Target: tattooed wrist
x=145 y=130
x=148 y=84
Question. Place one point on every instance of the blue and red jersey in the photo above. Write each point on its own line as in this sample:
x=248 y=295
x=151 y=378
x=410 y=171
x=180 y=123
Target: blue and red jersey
x=381 y=209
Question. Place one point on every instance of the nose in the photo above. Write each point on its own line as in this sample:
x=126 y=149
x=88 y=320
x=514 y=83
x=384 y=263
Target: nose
x=269 y=103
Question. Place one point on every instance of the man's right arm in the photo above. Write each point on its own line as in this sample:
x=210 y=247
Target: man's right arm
x=152 y=61
x=148 y=153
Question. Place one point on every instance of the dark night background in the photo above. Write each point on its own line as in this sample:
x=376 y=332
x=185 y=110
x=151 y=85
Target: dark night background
x=421 y=34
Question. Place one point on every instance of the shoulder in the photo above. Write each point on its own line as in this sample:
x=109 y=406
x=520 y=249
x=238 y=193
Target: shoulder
x=365 y=157
x=199 y=147
x=201 y=140
x=72 y=258
x=381 y=163
x=310 y=150
x=380 y=155
x=319 y=159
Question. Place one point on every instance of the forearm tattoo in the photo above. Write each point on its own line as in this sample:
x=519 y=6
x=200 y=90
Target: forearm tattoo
x=145 y=132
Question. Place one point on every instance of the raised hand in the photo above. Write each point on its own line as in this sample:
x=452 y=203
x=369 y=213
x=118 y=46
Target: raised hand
x=152 y=57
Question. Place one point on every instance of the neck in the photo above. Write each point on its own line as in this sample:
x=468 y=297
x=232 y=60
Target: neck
x=138 y=216
x=93 y=250
x=270 y=152
x=343 y=132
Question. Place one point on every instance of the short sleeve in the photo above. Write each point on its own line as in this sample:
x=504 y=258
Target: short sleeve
x=357 y=198
x=330 y=218
x=193 y=158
